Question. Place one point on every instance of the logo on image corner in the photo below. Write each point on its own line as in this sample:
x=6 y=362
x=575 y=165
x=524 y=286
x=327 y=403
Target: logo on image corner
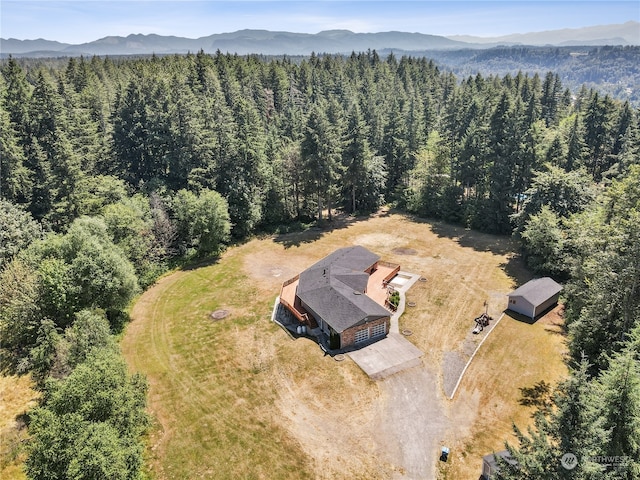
x=569 y=461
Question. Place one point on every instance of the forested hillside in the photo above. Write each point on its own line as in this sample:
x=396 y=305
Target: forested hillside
x=614 y=70
x=113 y=171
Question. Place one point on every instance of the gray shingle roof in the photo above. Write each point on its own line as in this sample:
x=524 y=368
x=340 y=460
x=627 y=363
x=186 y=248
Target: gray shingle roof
x=504 y=454
x=334 y=288
x=538 y=290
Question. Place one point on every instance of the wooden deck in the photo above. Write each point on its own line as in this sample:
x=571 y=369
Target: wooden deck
x=376 y=287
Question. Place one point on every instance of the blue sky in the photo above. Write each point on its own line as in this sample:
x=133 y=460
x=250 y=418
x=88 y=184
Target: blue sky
x=77 y=21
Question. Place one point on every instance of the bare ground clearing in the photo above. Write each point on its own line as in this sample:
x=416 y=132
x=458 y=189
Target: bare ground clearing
x=241 y=389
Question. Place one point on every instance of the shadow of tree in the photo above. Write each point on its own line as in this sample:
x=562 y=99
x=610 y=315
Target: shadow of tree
x=479 y=241
x=516 y=269
x=508 y=246
x=319 y=229
x=200 y=263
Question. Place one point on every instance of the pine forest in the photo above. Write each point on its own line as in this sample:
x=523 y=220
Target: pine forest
x=114 y=171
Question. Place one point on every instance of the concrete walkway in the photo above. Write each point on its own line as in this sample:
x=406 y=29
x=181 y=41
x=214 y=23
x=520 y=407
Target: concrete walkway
x=413 y=278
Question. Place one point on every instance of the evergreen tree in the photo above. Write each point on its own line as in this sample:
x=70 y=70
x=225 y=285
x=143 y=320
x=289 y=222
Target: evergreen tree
x=241 y=173
x=131 y=137
x=356 y=156
x=551 y=98
x=603 y=304
x=576 y=150
x=572 y=425
x=14 y=176
x=15 y=99
x=597 y=130
x=321 y=151
x=502 y=149
x=619 y=393
x=55 y=168
x=564 y=193
x=395 y=147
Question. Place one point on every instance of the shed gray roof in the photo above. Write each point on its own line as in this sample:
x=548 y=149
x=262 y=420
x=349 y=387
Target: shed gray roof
x=334 y=288
x=504 y=454
x=538 y=290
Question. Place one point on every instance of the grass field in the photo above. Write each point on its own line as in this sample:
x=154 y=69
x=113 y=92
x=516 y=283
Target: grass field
x=237 y=398
x=17 y=396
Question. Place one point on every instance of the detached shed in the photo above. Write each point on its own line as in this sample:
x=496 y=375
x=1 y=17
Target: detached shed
x=534 y=297
x=490 y=464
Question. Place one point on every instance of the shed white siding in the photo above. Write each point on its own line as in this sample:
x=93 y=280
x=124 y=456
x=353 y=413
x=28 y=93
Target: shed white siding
x=519 y=304
x=534 y=297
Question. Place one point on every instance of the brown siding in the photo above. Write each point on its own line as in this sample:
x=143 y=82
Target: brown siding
x=347 y=338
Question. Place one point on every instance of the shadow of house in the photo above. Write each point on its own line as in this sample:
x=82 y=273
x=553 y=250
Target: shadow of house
x=534 y=298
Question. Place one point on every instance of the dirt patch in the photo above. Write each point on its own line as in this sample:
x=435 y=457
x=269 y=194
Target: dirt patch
x=405 y=251
x=269 y=265
x=380 y=241
x=267 y=270
x=339 y=438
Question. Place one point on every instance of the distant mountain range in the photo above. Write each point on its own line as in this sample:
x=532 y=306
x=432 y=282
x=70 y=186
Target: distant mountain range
x=333 y=41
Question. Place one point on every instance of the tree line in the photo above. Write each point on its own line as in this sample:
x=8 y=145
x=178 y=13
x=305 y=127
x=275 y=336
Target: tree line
x=114 y=170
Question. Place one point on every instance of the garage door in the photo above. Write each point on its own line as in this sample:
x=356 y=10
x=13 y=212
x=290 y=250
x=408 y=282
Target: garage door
x=362 y=335
x=379 y=330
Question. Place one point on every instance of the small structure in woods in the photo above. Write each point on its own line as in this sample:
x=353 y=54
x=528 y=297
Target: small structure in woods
x=343 y=296
x=535 y=297
x=490 y=464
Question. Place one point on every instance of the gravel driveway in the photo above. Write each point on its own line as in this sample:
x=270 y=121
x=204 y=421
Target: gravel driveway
x=413 y=422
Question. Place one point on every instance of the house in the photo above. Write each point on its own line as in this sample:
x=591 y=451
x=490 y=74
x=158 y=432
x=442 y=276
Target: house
x=535 y=297
x=490 y=464
x=343 y=295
